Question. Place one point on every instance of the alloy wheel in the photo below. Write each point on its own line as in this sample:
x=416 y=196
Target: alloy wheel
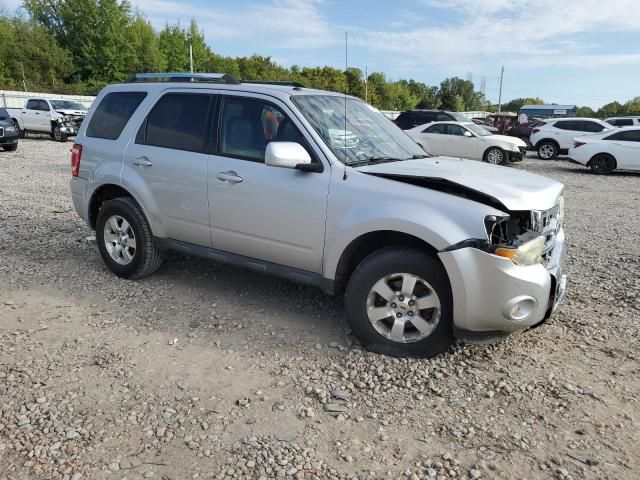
x=495 y=156
x=119 y=240
x=403 y=308
x=547 y=151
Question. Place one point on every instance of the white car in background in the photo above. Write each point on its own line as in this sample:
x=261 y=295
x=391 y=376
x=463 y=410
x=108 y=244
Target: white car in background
x=608 y=151
x=468 y=140
x=556 y=136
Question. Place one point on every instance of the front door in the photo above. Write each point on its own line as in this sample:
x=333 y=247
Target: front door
x=263 y=212
x=461 y=145
x=169 y=159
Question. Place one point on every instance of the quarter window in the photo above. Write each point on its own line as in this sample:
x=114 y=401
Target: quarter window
x=113 y=113
x=248 y=125
x=592 y=127
x=179 y=121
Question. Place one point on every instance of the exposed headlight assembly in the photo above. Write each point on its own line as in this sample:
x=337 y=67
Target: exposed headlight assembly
x=529 y=253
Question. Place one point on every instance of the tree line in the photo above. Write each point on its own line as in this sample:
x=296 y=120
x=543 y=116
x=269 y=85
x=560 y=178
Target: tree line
x=79 y=46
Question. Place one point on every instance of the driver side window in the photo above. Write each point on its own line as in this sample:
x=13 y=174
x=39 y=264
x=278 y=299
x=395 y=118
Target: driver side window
x=248 y=125
x=455 y=130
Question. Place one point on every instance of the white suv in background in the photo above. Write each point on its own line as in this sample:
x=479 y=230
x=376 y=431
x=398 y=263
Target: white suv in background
x=623 y=121
x=556 y=136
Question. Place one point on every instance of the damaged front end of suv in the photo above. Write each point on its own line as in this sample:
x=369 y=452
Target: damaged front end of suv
x=517 y=273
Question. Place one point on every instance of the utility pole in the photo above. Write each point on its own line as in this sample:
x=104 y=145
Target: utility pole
x=366 y=84
x=191 y=57
x=500 y=94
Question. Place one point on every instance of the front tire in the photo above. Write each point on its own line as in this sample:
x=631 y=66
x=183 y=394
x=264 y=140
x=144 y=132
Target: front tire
x=58 y=135
x=547 y=151
x=11 y=148
x=125 y=239
x=19 y=131
x=602 y=164
x=495 y=156
x=399 y=303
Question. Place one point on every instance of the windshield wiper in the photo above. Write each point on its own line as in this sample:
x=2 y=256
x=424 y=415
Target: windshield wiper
x=374 y=160
x=416 y=157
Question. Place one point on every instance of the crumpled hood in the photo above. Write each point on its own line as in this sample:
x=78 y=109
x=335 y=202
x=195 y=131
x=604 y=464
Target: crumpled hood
x=72 y=112
x=515 y=189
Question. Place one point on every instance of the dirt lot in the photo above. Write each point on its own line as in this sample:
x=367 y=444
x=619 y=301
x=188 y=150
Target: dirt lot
x=207 y=371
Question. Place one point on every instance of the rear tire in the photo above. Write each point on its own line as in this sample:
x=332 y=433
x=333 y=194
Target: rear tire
x=386 y=324
x=495 y=156
x=547 y=151
x=602 y=164
x=119 y=218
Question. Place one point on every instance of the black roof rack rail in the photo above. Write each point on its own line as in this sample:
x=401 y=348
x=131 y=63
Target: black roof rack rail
x=275 y=82
x=183 y=77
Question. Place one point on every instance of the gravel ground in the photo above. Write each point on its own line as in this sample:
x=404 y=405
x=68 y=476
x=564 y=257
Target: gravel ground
x=207 y=371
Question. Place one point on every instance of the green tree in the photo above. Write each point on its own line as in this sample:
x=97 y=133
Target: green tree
x=458 y=95
x=146 y=55
x=611 y=109
x=585 y=112
x=517 y=103
x=174 y=47
x=632 y=107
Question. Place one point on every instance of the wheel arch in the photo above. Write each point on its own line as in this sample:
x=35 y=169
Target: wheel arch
x=364 y=245
x=615 y=161
x=103 y=193
x=550 y=140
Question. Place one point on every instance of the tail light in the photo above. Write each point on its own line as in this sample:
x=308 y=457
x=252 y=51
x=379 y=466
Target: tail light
x=76 y=153
x=535 y=130
x=577 y=144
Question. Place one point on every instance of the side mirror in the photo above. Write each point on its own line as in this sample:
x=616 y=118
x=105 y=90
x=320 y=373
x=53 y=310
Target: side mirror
x=289 y=155
x=467 y=133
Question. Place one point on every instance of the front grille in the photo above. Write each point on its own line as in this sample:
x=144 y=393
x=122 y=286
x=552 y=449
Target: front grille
x=547 y=223
x=1 y=132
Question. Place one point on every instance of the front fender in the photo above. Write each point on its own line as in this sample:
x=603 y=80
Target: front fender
x=363 y=204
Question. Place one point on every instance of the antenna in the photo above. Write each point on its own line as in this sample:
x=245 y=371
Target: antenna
x=346 y=67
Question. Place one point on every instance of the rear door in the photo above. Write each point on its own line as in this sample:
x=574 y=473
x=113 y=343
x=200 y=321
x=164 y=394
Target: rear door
x=625 y=147
x=259 y=211
x=169 y=156
x=31 y=114
x=565 y=131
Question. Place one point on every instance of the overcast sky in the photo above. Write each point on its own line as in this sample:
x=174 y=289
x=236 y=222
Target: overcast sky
x=585 y=52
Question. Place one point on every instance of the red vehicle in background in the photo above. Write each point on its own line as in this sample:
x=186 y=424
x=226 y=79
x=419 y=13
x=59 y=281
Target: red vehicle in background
x=506 y=123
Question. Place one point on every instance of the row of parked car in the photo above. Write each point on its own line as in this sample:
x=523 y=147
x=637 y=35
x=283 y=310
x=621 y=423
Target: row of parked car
x=603 y=146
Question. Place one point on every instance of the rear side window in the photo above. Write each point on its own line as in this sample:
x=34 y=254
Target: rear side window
x=592 y=127
x=622 y=122
x=569 y=125
x=438 y=128
x=113 y=113
x=179 y=121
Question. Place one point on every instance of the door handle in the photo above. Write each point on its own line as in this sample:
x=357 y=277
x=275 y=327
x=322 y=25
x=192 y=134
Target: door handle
x=142 y=162
x=37 y=113
x=230 y=176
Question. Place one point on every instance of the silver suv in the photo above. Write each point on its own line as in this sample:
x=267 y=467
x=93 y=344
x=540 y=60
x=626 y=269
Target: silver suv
x=322 y=189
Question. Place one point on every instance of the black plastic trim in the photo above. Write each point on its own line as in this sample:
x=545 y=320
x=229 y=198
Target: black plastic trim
x=288 y=273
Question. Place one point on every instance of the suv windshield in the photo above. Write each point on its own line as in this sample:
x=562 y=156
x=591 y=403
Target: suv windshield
x=369 y=135
x=67 y=105
x=477 y=129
